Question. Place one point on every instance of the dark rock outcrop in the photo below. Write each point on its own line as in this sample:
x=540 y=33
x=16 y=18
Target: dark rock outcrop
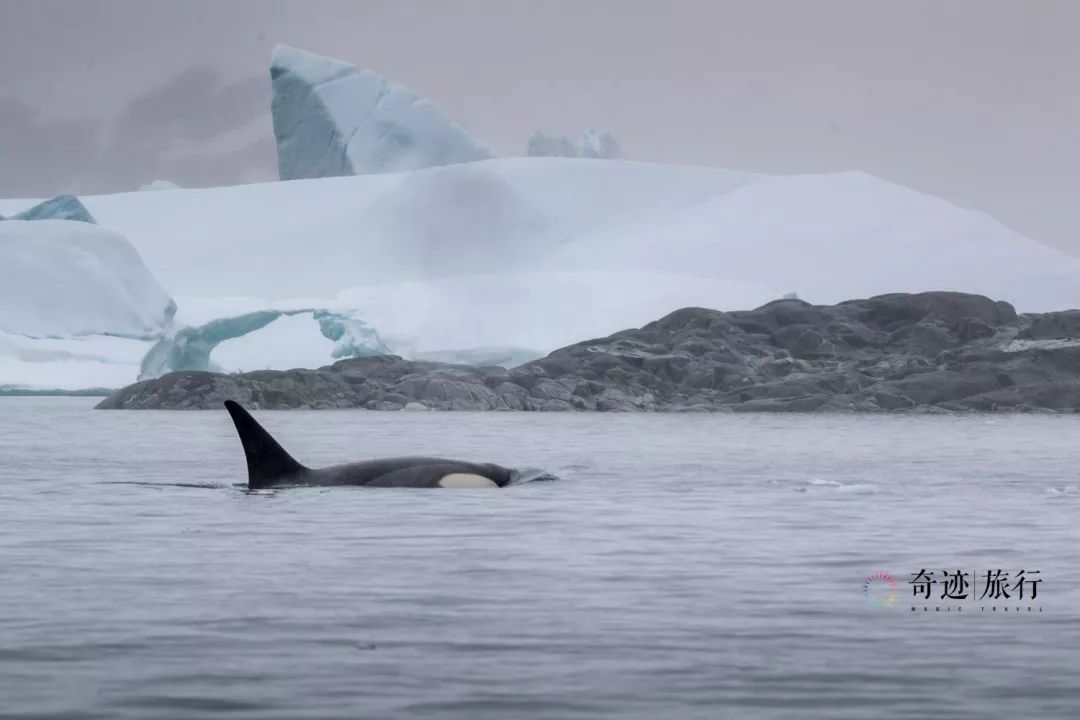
x=938 y=351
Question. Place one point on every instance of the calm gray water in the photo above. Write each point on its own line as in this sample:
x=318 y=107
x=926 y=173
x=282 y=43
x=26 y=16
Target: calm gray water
x=686 y=566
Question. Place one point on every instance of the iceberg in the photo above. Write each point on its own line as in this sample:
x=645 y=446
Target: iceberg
x=61 y=207
x=60 y=278
x=533 y=312
x=832 y=237
x=285 y=345
x=78 y=308
x=494 y=260
x=331 y=118
x=68 y=364
x=542 y=144
x=159 y=185
x=594 y=144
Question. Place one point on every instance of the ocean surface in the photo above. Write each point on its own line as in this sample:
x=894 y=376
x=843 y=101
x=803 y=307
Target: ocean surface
x=684 y=566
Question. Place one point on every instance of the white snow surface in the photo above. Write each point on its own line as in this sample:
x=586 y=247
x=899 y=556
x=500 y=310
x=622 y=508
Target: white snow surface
x=288 y=342
x=826 y=237
x=530 y=310
x=61 y=278
x=541 y=252
x=71 y=363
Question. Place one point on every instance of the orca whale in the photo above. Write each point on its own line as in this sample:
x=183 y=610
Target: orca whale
x=269 y=465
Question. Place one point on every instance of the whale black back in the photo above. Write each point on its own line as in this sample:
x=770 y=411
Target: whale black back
x=267 y=462
x=269 y=465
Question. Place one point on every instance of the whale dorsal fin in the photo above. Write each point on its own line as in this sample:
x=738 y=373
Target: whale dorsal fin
x=267 y=461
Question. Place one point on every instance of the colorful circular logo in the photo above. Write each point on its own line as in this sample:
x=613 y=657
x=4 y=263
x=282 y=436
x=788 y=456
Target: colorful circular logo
x=880 y=590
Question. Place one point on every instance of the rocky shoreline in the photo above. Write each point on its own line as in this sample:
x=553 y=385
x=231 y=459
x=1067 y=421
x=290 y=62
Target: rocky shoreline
x=929 y=352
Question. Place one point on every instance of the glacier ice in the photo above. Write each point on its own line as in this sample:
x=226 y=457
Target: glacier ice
x=470 y=261
x=533 y=311
x=61 y=207
x=352 y=337
x=331 y=118
x=78 y=308
x=594 y=144
x=832 y=237
x=542 y=144
x=69 y=363
x=60 y=278
x=208 y=346
x=159 y=185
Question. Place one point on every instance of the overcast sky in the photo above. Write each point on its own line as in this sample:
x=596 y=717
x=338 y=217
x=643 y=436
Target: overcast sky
x=977 y=101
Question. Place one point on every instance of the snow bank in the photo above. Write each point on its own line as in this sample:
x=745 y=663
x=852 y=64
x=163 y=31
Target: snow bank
x=93 y=361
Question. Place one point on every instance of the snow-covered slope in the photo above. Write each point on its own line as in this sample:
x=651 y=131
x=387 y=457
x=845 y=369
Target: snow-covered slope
x=331 y=118
x=62 y=278
x=78 y=308
x=827 y=237
x=316 y=237
x=533 y=253
x=70 y=363
x=533 y=311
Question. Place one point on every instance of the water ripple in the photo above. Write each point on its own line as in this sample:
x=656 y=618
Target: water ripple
x=686 y=566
